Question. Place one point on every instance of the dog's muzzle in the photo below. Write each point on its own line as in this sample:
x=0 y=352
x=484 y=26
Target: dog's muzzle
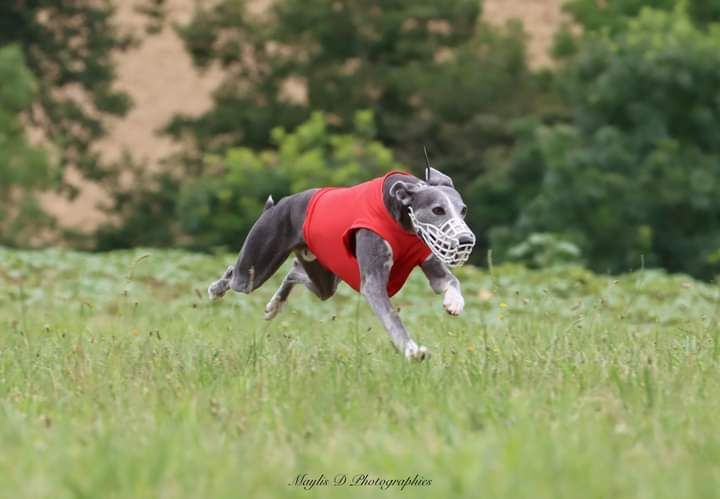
x=452 y=242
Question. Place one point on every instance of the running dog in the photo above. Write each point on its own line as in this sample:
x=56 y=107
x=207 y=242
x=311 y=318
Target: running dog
x=371 y=235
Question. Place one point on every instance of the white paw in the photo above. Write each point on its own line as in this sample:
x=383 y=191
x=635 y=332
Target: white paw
x=453 y=301
x=415 y=352
x=216 y=291
x=273 y=307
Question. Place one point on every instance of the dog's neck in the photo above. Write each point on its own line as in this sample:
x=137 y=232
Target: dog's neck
x=394 y=206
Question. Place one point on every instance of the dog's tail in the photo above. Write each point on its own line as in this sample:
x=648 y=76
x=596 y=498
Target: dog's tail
x=269 y=203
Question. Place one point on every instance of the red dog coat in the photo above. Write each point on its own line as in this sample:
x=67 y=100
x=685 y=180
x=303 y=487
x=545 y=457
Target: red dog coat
x=335 y=213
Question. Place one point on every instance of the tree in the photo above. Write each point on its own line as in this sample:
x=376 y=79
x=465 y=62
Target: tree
x=431 y=72
x=345 y=56
x=23 y=168
x=635 y=175
x=68 y=46
x=219 y=207
x=594 y=16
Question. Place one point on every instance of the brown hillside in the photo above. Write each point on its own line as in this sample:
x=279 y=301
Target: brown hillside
x=161 y=80
x=541 y=19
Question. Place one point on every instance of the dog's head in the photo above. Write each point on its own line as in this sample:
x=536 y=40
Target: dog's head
x=437 y=213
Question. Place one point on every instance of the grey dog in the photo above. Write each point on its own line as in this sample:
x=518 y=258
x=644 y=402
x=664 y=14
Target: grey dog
x=419 y=207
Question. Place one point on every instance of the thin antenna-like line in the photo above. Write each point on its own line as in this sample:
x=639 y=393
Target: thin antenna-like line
x=428 y=167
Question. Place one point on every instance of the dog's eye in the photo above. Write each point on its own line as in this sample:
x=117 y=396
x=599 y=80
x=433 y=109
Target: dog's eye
x=463 y=212
x=438 y=210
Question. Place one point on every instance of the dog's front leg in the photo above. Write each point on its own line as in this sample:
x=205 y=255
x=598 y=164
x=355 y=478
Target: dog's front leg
x=375 y=259
x=442 y=281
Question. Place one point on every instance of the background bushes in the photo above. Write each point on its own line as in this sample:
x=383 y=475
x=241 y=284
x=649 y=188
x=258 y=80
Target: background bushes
x=610 y=157
x=24 y=169
x=636 y=174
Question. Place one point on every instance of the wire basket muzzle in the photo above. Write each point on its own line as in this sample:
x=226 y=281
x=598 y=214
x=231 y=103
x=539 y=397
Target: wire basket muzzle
x=452 y=242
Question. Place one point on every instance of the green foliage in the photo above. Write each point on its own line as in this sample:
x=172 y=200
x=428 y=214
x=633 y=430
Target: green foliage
x=614 y=16
x=592 y=15
x=351 y=54
x=635 y=176
x=69 y=46
x=554 y=384
x=431 y=72
x=23 y=167
x=144 y=213
x=544 y=250
x=497 y=197
x=218 y=207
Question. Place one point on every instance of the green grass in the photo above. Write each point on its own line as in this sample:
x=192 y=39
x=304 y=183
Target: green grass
x=119 y=379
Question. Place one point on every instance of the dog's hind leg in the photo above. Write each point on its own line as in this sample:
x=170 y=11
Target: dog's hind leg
x=296 y=276
x=312 y=275
x=321 y=281
x=275 y=234
x=218 y=288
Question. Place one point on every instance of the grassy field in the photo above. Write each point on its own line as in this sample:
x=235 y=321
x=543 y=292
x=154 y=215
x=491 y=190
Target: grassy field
x=119 y=379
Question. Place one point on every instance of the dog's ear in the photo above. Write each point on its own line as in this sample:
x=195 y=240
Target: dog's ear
x=435 y=177
x=403 y=191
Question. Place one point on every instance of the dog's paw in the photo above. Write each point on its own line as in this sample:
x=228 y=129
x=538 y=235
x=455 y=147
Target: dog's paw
x=273 y=307
x=415 y=352
x=217 y=290
x=453 y=301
